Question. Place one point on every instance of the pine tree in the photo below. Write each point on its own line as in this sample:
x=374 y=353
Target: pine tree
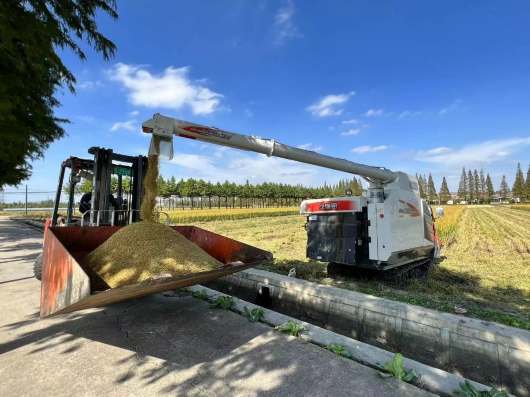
x=527 y=184
x=476 y=185
x=34 y=35
x=518 y=188
x=431 y=189
x=470 y=184
x=490 y=191
x=482 y=185
x=421 y=187
x=505 y=189
x=462 y=186
x=445 y=194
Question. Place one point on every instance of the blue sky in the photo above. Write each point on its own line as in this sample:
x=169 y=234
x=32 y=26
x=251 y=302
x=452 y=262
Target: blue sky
x=415 y=86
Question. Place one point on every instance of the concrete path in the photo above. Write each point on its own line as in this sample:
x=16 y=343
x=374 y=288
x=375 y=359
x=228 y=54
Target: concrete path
x=156 y=345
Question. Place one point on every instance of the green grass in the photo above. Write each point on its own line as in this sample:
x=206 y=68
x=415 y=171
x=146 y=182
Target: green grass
x=485 y=268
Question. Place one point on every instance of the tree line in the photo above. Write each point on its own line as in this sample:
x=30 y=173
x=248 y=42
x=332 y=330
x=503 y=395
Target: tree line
x=200 y=194
x=475 y=187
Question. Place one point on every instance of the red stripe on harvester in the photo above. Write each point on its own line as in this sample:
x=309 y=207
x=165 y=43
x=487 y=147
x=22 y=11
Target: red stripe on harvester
x=341 y=206
x=187 y=136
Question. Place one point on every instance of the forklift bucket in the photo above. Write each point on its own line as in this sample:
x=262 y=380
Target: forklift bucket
x=67 y=285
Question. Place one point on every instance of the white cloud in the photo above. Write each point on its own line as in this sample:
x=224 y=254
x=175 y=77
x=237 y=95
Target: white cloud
x=483 y=152
x=368 y=148
x=310 y=146
x=453 y=105
x=87 y=85
x=351 y=132
x=408 y=113
x=327 y=106
x=352 y=121
x=133 y=113
x=331 y=128
x=373 y=112
x=256 y=168
x=124 y=125
x=172 y=89
x=249 y=113
x=284 y=27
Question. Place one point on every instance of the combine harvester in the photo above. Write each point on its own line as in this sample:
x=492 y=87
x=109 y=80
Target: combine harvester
x=390 y=230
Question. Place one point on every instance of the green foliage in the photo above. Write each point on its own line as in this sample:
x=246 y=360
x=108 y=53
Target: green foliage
x=338 y=349
x=183 y=290
x=518 y=188
x=291 y=327
x=397 y=370
x=31 y=73
x=468 y=390
x=431 y=191
x=201 y=294
x=224 y=302
x=504 y=190
x=253 y=315
x=445 y=194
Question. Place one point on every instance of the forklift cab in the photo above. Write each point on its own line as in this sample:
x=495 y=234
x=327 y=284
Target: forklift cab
x=103 y=212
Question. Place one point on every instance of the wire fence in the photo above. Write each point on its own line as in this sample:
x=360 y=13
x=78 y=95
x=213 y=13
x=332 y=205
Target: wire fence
x=27 y=199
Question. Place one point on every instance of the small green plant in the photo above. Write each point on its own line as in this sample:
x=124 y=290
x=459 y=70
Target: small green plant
x=201 y=294
x=253 y=315
x=468 y=390
x=397 y=370
x=225 y=302
x=338 y=349
x=291 y=327
x=184 y=290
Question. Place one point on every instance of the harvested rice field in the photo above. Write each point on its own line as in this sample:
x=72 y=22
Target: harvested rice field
x=485 y=265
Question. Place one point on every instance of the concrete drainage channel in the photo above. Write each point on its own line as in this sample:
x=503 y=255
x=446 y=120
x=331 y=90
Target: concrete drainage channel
x=488 y=353
x=431 y=379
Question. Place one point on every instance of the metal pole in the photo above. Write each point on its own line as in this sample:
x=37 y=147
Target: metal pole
x=26 y=199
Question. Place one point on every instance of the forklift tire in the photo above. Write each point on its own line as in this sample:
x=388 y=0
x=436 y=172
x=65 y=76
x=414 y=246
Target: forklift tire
x=37 y=267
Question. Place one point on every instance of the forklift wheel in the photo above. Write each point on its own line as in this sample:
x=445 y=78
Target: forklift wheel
x=37 y=267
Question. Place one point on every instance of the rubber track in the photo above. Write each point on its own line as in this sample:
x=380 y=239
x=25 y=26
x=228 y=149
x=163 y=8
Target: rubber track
x=399 y=276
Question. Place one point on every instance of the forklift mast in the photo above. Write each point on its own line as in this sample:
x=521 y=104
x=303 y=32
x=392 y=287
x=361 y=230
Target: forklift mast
x=100 y=170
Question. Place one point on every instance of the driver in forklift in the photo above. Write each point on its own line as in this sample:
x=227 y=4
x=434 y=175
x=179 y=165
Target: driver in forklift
x=85 y=205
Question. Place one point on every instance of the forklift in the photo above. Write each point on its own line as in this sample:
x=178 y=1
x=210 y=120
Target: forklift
x=122 y=211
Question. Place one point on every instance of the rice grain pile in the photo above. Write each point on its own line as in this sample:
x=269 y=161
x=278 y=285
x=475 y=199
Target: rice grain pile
x=146 y=249
x=147 y=210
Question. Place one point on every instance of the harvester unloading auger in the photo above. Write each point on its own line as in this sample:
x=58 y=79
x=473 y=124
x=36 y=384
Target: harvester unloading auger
x=391 y=229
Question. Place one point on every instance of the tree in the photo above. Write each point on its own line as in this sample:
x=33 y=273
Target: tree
x=505 y=189
x=445 y=195
x=476 y=185
x=470 y=187
x=31 y=73
x=527 y=184
x=518 y=188
x=421 y=186
x=431 y=190
x=462 y=186
x=483 y=189
x=489 y=189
